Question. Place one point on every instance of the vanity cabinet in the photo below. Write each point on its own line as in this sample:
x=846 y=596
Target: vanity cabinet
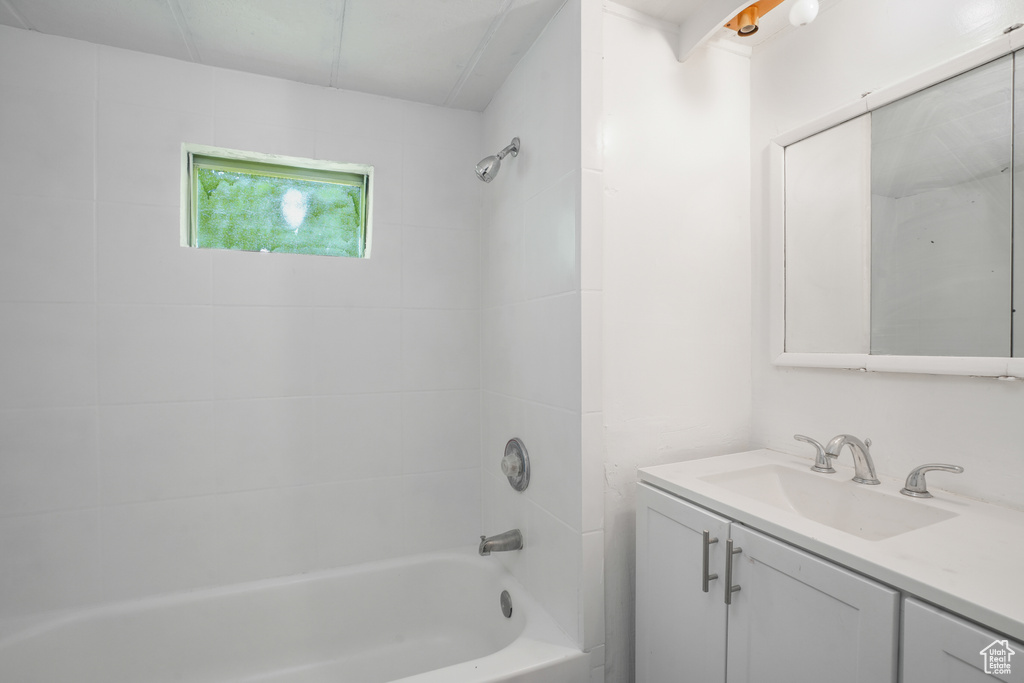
x=939 y=646
x=794 y=618
x=680 y=629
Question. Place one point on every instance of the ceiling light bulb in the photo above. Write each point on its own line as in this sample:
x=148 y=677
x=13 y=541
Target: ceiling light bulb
x=803 y=12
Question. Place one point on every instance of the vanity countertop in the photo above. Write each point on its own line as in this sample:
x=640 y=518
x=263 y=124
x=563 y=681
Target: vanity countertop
x=971 y=563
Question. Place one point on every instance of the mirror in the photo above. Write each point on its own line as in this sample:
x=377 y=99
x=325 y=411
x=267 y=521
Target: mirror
x=899 y=225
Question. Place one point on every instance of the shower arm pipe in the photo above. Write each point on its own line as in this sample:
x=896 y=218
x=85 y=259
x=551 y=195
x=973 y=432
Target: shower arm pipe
x=512 y=148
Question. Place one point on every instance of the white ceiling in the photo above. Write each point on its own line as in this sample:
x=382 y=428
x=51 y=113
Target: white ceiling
x=453 y=53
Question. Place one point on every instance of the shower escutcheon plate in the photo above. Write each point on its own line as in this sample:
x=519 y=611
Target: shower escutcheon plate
x=516 y=464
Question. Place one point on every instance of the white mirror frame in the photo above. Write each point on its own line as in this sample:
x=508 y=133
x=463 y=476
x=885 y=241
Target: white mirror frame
x=1008 y=368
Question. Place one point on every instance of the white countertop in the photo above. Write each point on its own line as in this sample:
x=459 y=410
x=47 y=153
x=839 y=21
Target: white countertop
x=971 y=564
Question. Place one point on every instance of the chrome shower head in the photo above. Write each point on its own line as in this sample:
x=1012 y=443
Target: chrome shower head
x=488 y=168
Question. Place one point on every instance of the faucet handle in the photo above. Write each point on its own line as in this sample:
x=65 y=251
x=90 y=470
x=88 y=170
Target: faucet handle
x=821 y=458
x=917 y=487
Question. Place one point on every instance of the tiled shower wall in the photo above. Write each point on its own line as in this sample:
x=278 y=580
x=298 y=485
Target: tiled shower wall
x=172 y=418
x=532 y=333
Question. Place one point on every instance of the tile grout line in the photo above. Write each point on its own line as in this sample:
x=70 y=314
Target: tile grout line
x=101 y=587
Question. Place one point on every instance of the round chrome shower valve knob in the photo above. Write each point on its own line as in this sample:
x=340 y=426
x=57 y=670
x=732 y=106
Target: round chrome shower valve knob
x=510 y=466
x=515 y=464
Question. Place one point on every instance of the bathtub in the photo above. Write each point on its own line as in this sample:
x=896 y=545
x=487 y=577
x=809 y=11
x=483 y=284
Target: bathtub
x=423 y=619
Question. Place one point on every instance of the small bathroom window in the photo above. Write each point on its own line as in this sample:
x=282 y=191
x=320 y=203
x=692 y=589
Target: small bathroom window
x=247 y=201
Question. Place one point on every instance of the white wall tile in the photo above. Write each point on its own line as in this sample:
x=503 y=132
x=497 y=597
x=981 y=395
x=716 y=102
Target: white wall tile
x=440 y=188
x=552 y=436
x=46 y=143
x=354 y=114
x=359 y=521
x=262 y=99
x=49 y=250
x=139 y=257
x=356 y=350
x=504 y=418
x=384 y=154
x=593 y=454
x=591 y=237
x=139 y=151
x=157 y=451
x=374 y=282
x=551 y=351
x=549 y=240
x=226 y=383
x=47 y=460
x=449 y=128
x=502 y=350
x=553 y=554
x=502 y=269
x=592 y=351
x=49 y=561
x=592 y=590
x=530 y=331
x=266 y=533
x=158 y=547
x=592 y=94
x=153 y=81
x=440 y=268
x=248 y=278
x=440 y=350
x=263 y=351
x=265 y=138
x=550 y=74
x=357 y=436
x=440 y=510
x=264 y=443
x=49 y=355
x=35 y=60
x=156 y=353
x=440 y=431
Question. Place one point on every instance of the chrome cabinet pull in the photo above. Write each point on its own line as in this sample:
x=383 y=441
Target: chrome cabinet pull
x=729 y=588
x=705 y=577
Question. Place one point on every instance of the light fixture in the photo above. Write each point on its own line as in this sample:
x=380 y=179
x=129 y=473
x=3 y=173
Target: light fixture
x=803 y=12
x=746 y=22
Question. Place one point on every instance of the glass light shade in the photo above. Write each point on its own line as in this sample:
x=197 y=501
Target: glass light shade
x=803 y=12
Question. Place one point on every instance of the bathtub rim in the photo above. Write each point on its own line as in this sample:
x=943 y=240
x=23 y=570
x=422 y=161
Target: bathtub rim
x=538 y=626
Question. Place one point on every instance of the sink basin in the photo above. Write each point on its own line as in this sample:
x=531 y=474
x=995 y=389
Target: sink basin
x=856 y=509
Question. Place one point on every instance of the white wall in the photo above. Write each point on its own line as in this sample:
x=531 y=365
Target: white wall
x=676 y=276
x=851 y=48
x=173 y=418
x=531 y=333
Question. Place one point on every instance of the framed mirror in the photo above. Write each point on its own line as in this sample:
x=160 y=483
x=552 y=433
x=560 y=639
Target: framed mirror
x=893 y=227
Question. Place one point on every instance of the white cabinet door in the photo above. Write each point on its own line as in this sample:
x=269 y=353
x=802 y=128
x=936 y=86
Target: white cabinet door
x=798 y=618
x=680 y=629
x=941 y=648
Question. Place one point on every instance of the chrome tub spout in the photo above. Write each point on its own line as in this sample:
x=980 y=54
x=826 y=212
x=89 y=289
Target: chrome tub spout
x=510 y=540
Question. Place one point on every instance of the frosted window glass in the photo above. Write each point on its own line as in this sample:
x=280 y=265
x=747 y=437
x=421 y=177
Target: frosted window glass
x=249 y=206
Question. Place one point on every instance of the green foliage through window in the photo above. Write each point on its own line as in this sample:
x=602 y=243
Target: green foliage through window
x=251 y=206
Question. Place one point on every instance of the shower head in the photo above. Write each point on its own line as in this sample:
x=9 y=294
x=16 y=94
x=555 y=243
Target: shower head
x=488 y=168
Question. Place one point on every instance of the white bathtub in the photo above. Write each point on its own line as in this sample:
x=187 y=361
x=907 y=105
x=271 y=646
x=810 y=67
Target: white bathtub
x=424 y=619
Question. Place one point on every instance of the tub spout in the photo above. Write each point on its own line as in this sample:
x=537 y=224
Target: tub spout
x=510 y=540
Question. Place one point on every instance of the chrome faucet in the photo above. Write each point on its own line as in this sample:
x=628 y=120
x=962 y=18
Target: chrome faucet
x=863 y=465
x=917 y=487
x=509 y=540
